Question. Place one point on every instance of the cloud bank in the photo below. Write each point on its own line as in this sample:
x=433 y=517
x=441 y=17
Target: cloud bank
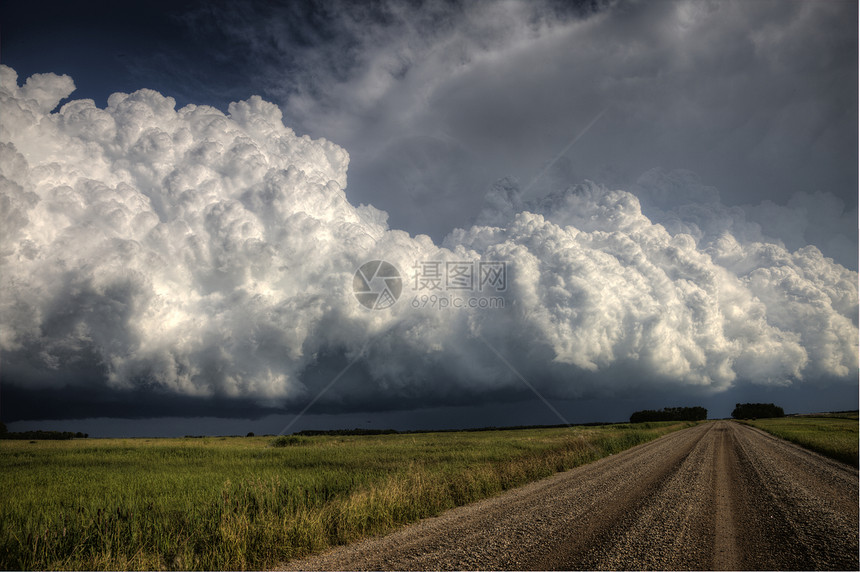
x=759 y=98
x=200 y=254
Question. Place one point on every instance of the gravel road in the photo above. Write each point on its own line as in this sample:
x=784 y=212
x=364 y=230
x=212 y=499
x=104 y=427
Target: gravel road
x=720 y=496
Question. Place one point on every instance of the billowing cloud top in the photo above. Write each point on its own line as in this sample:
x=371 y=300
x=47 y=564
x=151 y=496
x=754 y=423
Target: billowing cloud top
x=196 y=253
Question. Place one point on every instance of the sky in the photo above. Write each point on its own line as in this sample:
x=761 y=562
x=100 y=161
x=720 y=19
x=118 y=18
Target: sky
x=576 y=209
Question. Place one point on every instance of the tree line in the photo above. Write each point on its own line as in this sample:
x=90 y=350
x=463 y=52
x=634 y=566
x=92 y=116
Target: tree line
x=670 y=414
x=756 y=411
x=50 y=435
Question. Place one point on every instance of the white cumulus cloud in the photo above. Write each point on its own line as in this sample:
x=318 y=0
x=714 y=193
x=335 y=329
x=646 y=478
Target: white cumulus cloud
x=197 y=253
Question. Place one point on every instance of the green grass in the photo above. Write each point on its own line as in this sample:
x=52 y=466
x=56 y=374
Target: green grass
x=833 y=435
x=242 y=503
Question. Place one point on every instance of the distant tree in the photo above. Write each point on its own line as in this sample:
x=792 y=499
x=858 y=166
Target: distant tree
x=644 y=416
x=757 y=411
x=250 y=434
x=2 y=428
x=670 y=414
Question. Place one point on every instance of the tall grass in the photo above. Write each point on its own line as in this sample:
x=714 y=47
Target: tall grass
x=830 y=435
x=240 y=503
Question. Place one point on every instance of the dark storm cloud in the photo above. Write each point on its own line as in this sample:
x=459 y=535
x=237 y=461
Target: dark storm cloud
x=112 y=46
x=74 y=402
x=758 y=98
x=90 y=396
x=437 y=100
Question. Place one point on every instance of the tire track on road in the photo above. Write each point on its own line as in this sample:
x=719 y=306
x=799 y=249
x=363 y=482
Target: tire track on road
x=725 y=554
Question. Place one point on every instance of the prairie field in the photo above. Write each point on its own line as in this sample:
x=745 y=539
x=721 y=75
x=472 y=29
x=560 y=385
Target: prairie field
x=834 y=435
x=252 y=502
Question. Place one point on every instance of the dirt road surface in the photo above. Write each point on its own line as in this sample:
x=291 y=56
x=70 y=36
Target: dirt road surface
x=721 y=496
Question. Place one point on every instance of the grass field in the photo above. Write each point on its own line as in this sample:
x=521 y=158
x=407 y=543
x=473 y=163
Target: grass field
x=239 y=503
x=833 y=434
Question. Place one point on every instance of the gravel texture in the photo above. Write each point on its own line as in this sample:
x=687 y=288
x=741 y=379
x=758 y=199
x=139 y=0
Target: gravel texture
x=721 y=496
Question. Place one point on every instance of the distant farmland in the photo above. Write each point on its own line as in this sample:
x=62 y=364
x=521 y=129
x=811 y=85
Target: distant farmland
x=833 y=434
